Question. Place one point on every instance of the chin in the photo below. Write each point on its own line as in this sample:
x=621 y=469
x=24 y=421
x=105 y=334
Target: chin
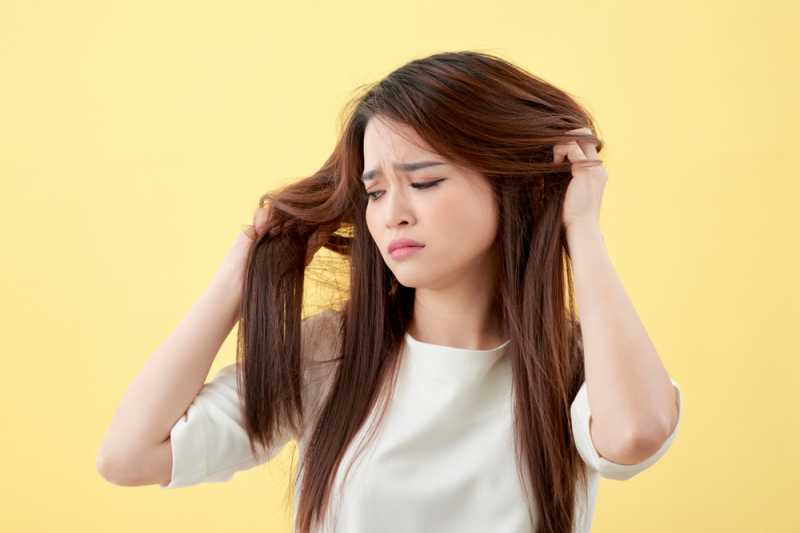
x=414 y=280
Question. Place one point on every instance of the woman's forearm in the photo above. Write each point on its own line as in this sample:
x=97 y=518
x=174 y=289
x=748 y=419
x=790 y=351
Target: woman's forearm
x=632 y=399
x=173 y=375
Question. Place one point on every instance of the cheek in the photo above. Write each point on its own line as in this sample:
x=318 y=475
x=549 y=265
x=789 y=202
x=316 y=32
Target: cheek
x=469 y=222
x=372 y=227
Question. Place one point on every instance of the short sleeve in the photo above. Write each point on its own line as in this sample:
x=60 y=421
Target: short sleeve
x=579 y=412
x=209 y=442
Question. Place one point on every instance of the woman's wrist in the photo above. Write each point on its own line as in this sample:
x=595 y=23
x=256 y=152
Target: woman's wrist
x=228 y=282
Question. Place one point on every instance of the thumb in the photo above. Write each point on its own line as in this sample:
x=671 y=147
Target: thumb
x=260 y=219
x=250 y=231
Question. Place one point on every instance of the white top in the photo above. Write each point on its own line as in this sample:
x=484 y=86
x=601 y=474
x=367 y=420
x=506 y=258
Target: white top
x=442 y=460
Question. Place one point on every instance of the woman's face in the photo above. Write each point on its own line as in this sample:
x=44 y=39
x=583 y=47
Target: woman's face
x=455 y=217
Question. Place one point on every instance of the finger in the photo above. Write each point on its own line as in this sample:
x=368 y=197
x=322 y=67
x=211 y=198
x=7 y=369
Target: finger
x=248 y=230
x=260 y=218
x=574 y=152
x=589 y=147
x=584 y=129
x=262 y=209
x=569 y=150
x=558 y=153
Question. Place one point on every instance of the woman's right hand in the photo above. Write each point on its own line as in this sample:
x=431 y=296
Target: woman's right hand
x=232 y=268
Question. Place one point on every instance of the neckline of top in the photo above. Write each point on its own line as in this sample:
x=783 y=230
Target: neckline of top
x=448 y=363
x=452 y=350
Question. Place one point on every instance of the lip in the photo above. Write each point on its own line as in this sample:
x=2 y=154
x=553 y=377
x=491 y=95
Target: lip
x=403 y=243
x=405 y=251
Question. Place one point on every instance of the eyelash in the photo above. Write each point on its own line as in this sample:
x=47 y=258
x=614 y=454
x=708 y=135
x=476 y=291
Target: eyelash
x=426 y=185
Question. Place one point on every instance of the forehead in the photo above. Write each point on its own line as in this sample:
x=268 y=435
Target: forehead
x=386 y=140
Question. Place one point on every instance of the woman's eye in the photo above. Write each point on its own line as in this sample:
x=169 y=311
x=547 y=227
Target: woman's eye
x=424 y=185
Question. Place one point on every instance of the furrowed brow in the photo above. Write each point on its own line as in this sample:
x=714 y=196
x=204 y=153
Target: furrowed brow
x=406 y=167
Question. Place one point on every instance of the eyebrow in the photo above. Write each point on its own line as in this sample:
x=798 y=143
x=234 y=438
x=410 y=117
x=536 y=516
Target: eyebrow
x=408 y=167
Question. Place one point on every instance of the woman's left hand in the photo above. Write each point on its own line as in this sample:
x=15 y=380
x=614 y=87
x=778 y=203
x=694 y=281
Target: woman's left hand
x=585 y=190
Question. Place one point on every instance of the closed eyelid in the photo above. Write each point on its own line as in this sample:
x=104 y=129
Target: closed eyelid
x=419 y=185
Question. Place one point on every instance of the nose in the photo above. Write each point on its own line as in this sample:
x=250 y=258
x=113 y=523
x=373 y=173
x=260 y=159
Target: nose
x=398 y=208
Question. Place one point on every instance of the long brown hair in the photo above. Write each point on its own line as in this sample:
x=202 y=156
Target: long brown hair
x=479 y=111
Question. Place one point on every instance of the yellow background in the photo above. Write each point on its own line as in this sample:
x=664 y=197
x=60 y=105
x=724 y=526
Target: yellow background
x=137 y=136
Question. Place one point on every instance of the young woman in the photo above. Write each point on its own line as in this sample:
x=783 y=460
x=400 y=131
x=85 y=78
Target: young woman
x=452 y=389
